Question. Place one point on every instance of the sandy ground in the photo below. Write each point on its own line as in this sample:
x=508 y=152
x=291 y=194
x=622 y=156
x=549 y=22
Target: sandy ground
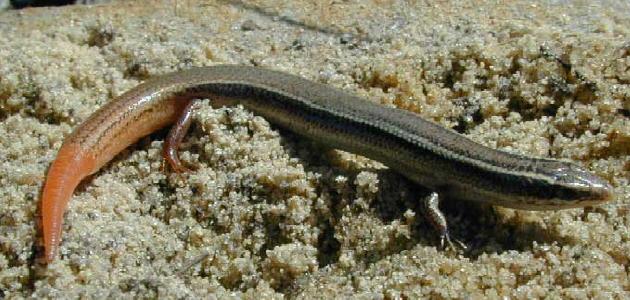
x=270 y=215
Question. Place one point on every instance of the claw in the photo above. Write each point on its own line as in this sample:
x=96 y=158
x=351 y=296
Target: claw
x=449 y=243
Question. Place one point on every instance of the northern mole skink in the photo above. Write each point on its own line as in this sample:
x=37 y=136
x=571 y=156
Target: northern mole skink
x=438 y=158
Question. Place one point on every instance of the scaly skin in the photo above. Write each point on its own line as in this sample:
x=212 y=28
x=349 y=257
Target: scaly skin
x=426 y=153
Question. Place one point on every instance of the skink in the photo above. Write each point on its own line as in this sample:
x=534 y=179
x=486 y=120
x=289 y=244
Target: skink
x=438 y=158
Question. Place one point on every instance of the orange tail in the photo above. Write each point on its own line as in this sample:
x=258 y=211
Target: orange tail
x=65 y=173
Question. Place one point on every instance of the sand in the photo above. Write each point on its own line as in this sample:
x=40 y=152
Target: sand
x=268 y=214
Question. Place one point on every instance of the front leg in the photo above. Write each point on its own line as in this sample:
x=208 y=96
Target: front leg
x=435 y=216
